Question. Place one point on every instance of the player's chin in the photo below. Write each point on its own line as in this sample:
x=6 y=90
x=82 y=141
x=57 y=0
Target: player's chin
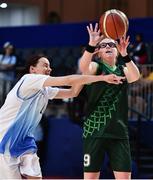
x=109 y=56
x=47 y=73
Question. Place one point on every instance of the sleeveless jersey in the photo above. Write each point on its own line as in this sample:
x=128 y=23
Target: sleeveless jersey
x=107 y=107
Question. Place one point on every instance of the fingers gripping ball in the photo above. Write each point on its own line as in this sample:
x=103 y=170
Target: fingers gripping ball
x=114 y=24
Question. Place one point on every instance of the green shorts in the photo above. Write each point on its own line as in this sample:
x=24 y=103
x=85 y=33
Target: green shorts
x=118 y=151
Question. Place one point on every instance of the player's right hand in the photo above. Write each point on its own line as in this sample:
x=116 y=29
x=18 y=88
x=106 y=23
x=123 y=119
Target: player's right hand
x=94 y=34
x=113 y=79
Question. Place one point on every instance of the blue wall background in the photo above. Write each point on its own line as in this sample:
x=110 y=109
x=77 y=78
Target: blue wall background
x=74 y=34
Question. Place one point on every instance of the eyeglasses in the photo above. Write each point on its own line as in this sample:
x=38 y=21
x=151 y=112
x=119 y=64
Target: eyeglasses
x=110 y=44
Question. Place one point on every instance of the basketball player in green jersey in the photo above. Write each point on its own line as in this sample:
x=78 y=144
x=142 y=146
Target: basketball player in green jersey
x=105 y=127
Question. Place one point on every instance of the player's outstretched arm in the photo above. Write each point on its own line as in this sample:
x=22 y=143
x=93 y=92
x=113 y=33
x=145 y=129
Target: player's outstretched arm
x=75 y=89
x=72 y=80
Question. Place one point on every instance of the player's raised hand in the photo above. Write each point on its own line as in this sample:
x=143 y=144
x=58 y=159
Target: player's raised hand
x=94 y=34
x=122 y=45
x=113 y=79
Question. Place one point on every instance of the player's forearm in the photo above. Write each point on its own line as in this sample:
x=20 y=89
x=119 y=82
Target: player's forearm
x=133 y=71
x=85 y=61
x=84 y=79
x=69 y=93
x=74 y=91
x=71 y=80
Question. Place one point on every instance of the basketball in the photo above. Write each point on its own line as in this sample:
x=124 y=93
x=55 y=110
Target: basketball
x=113 y=24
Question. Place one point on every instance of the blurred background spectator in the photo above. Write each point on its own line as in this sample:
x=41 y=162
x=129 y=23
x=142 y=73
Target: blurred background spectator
x=8 y=61
x=138 y=50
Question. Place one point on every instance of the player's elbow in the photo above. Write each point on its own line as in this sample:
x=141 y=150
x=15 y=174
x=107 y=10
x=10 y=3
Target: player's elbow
x=135 y=78
x=76 y=94
x=73 y=94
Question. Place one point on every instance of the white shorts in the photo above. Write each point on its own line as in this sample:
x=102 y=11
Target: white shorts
x=25 y=165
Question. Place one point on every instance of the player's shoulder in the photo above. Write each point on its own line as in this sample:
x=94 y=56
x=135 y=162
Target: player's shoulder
x=26 y=76
x=33 y=76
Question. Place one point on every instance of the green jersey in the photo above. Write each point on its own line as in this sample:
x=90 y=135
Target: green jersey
x=107 y=107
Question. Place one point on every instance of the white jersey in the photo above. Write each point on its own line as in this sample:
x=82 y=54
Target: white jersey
x=21 y=113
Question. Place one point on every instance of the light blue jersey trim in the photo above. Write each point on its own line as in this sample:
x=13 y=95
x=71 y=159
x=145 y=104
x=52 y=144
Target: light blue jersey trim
x=20 y=134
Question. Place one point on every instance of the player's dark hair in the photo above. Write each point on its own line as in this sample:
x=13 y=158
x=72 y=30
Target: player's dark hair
x=32 y=61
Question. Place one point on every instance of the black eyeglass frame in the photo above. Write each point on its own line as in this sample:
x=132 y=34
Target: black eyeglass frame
x=110 y=44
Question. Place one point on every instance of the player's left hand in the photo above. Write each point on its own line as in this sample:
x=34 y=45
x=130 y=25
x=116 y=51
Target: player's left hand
x=122 y=45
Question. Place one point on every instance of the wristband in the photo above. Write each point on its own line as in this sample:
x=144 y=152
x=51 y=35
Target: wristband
x=126 y=59
x=90 y=49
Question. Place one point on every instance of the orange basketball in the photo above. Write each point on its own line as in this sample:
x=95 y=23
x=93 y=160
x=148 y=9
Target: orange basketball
x=113 y=24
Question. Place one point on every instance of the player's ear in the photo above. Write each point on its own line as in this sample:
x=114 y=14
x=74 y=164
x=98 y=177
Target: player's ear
x=32 y=69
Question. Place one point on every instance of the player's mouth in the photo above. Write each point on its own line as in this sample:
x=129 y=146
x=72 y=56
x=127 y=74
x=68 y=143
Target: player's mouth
x=108 y=52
